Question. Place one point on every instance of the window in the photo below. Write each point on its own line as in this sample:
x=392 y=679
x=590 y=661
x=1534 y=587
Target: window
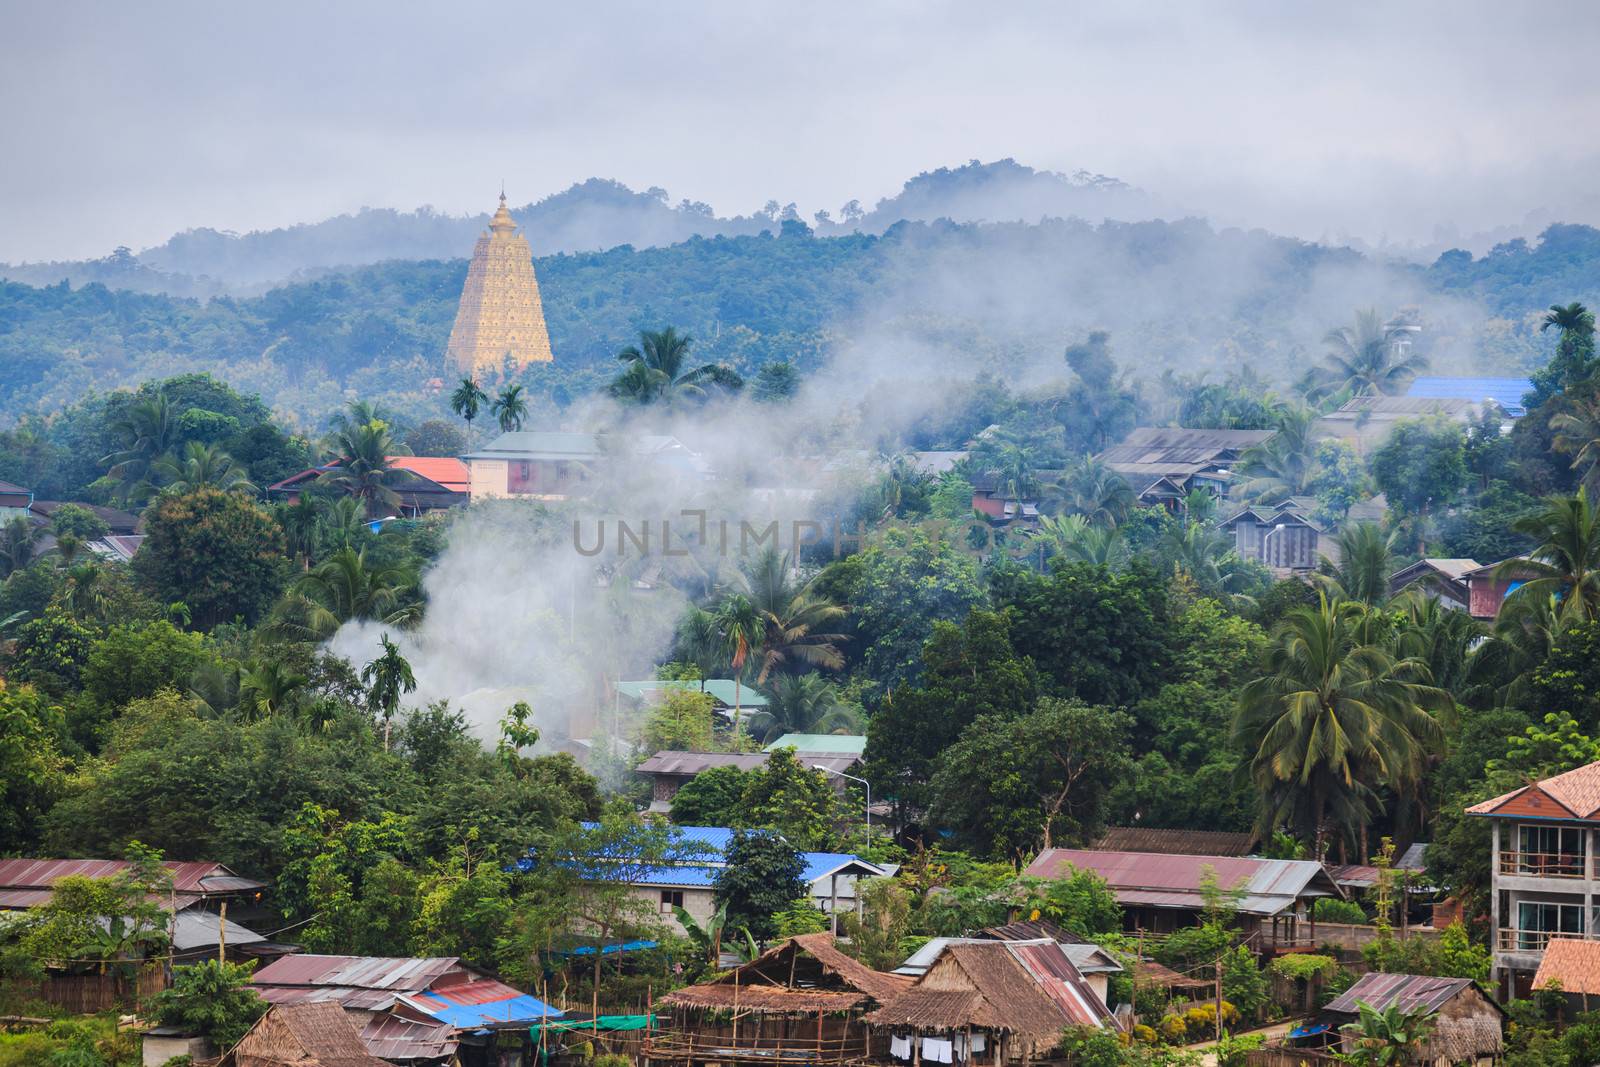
x=1537 y=922
x=671 y=898
x=1555 y=851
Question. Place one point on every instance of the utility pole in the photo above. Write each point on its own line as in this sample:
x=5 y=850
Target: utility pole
x=1219 y=1000
x=222 y=935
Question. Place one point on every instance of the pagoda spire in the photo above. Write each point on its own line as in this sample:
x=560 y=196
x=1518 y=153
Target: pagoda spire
x=500 y=319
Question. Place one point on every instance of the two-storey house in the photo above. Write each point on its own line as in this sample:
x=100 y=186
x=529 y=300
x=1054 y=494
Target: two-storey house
x=1545 y=871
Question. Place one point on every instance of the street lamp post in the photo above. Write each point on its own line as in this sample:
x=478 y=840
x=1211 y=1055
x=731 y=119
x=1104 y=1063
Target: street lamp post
x=1265 y=541
x=853 y=778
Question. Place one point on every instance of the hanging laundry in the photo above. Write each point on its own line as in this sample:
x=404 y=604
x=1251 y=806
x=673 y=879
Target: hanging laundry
x=937 y=1050
x=900 y=1048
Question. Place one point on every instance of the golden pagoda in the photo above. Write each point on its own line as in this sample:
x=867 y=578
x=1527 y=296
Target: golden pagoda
x=501 y=316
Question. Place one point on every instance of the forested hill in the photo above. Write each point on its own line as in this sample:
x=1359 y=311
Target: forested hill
x=1173 y=294
x=591 y=215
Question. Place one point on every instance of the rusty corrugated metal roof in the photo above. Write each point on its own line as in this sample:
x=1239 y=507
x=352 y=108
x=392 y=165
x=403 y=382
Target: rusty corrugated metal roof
x=390 y=1037
x=1164 y=880
x=1411 y=990
x=1060 y=981
x=187 y=877
x=396 y=974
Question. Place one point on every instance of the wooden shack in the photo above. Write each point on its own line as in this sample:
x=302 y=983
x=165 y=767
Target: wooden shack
x=311 y=1034
x=1467 y=1025
x=992 y=1002
x=802 y=1001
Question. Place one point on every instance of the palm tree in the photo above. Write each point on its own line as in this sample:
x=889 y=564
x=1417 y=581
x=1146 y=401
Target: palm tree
x=1577 y=433
x=468 y=399
x=1285 y=464
x=1442 y=637
x=1574 y=356
x=1368 y=358
x=200 y=465
x=1072 y=538
x=267 y=688
x=84 y=593
x=1366 y=559
x=1010 y=464
x=510 y=408
x=1090 y=488
x=790 y=619
x=803 y=704
x=343 y=587
x=656 y=369
x=1207 y=556
x=740 y=627
x=300 y=522
x=1332 y=717
x=364 y=470
x=1392 y=1037
x=17 y=540
x=148 y=429
x=387 y=678
x=1565 y=563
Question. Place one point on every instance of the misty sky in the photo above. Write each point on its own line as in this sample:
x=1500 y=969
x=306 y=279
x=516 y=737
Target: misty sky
x=126 y=122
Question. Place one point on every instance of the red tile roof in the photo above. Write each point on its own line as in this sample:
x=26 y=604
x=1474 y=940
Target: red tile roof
x=1572 y=962
x=1577 y=790
x=447 y=471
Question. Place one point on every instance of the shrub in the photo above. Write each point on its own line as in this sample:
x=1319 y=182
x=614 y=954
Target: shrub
x=1333 y=910
x=1301 y=967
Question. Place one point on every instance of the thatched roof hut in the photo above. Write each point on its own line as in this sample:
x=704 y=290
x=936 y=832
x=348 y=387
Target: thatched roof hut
x=313 y=1034
x=993 y=1001
x=801 y=999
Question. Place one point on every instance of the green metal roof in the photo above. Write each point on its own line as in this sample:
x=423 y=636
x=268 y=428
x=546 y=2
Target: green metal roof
x=850 y=744
x=720 y=690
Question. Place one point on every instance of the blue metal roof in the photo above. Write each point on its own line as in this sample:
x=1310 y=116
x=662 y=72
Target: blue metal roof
x=1507 y=392
x=676 y=877
x=467 y=1016
x=819 y=864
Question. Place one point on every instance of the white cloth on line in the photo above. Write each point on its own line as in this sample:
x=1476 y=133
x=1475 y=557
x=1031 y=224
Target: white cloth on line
x=900 y=1048
x=978 y=1043
x=937 y=1049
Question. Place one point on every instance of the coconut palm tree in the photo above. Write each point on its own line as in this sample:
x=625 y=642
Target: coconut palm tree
x=739 y=626
x=363 y=469
x=790 y=619
x=200 y=465
x=343 y=587
x=1010 y=463
x=1366 y=359
x=148 y=429
x=387 y=678
x=1565 y=563
x=1577 y=433
x=803 y=704
x=300 y=522
x=1442 y=637
x=510 y=407
x=656 y=369
x=1285 y=464
x=1073 y=538
x=267 y=688
x=1366 y=559
x=1090 y=488
x=1333 y=716
x=468 y=399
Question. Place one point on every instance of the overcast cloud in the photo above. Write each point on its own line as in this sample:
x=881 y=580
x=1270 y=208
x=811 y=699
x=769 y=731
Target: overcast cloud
x=123 y=123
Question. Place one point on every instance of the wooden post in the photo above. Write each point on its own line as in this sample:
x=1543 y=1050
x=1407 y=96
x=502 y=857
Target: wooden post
x=222 y=934
x=1219 y=999
x=819 y=1033
x=736 y=971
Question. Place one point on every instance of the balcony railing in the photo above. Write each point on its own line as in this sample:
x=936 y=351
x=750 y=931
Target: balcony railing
x=1534 y=940
x=1543 y=864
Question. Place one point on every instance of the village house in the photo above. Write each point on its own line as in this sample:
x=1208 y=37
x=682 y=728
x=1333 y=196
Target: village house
x=1467 y=1025
x=1162 y=892
x=1488 y=587
x=312 y=1034
x=1163 y=463
x=1094 y=963
x=1445 y=580
x=1174 y=842
x=1544 y=871
x=559 y=465
x=1365 y=422
x=414 y=1010
x=1573 y=964
x=670 y=769
x=992 y=1002
x=801 y=1001
x=728 y=698
x=1505 y=393
x=1286 y=537
x=690 y=883
x=427 y=483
